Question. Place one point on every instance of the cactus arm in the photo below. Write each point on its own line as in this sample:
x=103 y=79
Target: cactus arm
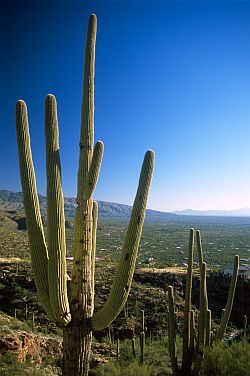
x=38 y=249
x=186 y=325
x=230 y=299
x=142 y=337
x=208 y=328
x=94 y=170
x=171 y=332
x=192 y=333
x=203 y=309
x=202 y=321
x=199 y=248
x=123 y=279
x=244 y=326
x=56 y=242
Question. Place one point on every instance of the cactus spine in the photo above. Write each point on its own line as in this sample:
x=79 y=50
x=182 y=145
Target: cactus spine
x=71 y=306
x=193 y=346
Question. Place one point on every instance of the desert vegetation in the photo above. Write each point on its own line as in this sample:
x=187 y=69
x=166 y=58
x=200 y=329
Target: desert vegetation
x=18 y=298
x=63 y=288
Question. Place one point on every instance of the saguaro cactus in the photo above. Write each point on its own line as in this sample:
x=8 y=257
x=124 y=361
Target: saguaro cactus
x=142 y=336
x=70 y=303
x=193 y=346
x=187 y=309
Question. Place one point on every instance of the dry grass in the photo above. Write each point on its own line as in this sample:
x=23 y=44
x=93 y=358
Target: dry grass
x=172 y=270
x=11 y=260
x=13 y=243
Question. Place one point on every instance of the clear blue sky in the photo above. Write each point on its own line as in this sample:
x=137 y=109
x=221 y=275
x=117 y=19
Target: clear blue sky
x=170 y=76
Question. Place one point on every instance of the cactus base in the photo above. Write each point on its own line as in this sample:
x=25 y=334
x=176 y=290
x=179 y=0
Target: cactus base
x=76 y=349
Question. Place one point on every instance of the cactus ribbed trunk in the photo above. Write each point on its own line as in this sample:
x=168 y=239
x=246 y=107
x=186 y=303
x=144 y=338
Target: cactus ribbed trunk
x=76 y=349
x=77 y=335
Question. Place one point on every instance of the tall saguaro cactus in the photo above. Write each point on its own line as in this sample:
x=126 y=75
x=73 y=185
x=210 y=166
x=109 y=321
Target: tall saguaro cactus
x=71 y=303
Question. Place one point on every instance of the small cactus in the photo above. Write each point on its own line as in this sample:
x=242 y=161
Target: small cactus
x=244 y=326
x=193 y=346
x=229 y=304
x=142 y=336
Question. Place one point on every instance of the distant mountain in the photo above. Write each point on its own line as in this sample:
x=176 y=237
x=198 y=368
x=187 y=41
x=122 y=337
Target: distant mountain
x=242 y=212
x=11 y=201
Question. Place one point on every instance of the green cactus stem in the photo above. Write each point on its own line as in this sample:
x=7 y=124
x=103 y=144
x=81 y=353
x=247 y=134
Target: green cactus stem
x=38 y=247
x=203 y=308
x=199 y=248
x=110 y=340
x=117 y=348
x=230 y=298
x=192 y=332
x=123 y=278
x=186 y=356
x=171 y=332
x=142 y=336
x=94 y=170
x=93 y=253
x=133 y=347
x=202 y=321
x=208 y=329
x=70 y=301
x=56 y=241
x=194 y=353
x=244 y=326
x=200 y=258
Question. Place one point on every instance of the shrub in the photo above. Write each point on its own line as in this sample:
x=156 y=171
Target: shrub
x=9 y=366
x=227 y=360
x=115 y=369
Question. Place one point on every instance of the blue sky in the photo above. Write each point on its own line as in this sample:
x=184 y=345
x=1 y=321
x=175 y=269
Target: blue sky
x=170 y=76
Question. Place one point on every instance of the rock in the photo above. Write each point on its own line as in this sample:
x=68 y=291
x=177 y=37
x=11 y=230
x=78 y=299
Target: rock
x=21 y=222
x=26 y=345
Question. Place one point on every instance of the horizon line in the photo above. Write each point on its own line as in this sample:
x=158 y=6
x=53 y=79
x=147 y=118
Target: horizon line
x=176 y=211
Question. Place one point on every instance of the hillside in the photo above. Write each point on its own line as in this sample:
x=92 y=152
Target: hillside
x=10 y=201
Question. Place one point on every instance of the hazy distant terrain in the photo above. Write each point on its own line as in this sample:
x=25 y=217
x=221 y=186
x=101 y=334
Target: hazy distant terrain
x=164 y=236
x=14 y=201
x=242 y=212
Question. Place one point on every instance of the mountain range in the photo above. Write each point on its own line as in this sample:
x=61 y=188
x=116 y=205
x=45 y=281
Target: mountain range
x=14 y=201
x=241 y=212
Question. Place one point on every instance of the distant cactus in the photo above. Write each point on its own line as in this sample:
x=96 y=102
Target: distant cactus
x=229 y=304
x=142 y=336
x=71 y=303
x=193 y=345
x=117 y=348
x=245 y=326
